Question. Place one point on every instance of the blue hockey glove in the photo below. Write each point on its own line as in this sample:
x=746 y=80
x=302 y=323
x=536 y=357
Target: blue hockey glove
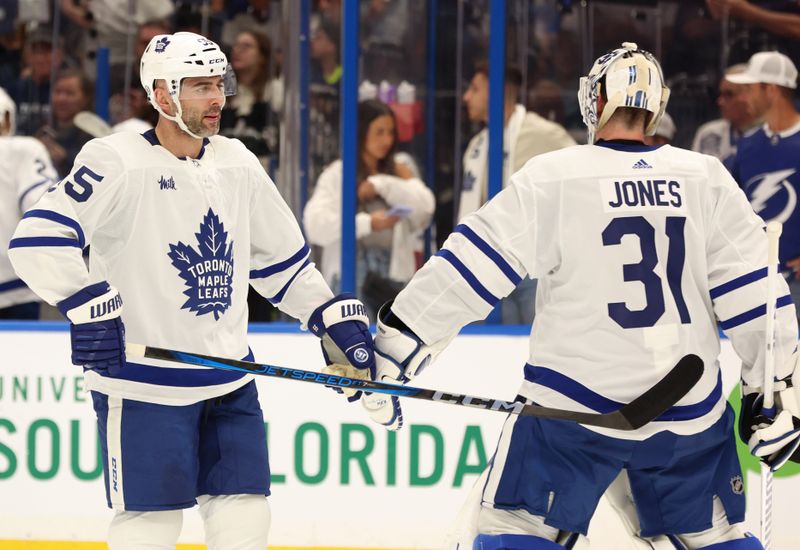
x=773 y=436
x=97 y=334
x=400 y=355
x=343 y=328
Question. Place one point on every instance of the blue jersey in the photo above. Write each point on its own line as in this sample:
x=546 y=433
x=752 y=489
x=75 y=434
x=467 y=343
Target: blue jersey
x=767 y=168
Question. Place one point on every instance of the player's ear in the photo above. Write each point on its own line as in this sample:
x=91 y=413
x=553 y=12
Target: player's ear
x=163 y=98
x=601 y=103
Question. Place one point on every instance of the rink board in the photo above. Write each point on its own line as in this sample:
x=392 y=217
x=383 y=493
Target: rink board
x=337 y=480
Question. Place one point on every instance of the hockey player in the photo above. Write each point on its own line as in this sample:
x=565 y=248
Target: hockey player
x=720 y=137
x=25 y=173
x=767 y=164
x=180 y=221
x=639 y=250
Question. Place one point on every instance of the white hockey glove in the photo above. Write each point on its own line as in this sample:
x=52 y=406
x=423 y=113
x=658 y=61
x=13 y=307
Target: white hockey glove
x=774 y=435
x=400 y=355
x=343 y=328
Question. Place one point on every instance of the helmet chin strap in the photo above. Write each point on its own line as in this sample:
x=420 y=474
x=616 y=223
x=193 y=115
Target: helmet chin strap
x=178 y=116
x=178 y=119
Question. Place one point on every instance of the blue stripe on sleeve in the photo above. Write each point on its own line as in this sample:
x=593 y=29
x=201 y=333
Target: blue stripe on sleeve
x=280 y=266
x=493 y=255
x=754 y=313
x=279 y=296
x=588 y=398
x=24 y=242
x=59 y=218
x=12 y=285
x=738 y=282
x=469 y=277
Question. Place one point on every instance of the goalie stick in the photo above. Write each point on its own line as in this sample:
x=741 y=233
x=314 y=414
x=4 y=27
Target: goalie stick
x=774 y=230
x=645 y=408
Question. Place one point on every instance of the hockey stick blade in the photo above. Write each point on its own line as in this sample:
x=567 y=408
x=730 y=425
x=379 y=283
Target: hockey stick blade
x=645 y=408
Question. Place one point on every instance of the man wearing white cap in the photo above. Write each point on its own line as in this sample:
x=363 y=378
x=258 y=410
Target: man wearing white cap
x=767 y=164
x=720 y=137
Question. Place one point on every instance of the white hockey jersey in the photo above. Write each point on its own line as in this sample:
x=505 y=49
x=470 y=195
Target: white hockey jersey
x=180 y=239
x=25 y=173
x=639 y=252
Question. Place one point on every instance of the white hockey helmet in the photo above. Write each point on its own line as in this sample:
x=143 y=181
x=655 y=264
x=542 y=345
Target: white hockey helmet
x=633 y=78
x=173 y=57
x=8 y=111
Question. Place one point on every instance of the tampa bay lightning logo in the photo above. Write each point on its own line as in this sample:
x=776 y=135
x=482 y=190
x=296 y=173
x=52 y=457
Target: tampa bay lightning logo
x=772 y=195
x=161 y=44
x=207 y=271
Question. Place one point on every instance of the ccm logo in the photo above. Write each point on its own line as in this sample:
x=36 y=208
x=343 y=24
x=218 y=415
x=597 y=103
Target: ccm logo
x=114 y=479
x=217 y=60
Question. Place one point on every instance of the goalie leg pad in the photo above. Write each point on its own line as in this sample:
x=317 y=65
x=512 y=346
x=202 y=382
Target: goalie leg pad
x=748 y=543
x=153 y=530
x=514 y=542
x=720 y=534
x=620 y=500
x=235 y=522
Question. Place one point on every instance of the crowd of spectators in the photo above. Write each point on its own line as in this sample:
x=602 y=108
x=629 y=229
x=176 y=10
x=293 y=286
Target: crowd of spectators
x=50 y=76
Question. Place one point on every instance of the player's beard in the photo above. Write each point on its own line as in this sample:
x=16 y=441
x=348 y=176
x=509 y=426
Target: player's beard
x=194 y=120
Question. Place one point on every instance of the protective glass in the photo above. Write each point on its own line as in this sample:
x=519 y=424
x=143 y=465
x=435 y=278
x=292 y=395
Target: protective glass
x=209 y=87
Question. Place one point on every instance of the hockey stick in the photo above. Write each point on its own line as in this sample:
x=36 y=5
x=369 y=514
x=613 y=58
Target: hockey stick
x=774 y=230
x=92 y=124
x=645 y=408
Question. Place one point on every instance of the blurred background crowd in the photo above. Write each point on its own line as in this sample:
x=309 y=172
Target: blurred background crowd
x=423 y=107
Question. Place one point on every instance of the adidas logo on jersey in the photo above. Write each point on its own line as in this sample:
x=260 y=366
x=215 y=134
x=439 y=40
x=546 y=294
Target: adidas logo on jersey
x=641 y=164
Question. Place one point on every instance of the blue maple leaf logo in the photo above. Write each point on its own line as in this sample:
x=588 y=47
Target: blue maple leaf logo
x=161 y=44
x=208 y=270
x=469 y=181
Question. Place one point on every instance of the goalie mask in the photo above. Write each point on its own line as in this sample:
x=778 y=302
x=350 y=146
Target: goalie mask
x=174 y=57
x=8 y=111
x=633 y=78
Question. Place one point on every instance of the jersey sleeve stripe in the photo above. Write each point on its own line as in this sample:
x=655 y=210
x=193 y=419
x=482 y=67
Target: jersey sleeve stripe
x=738 y=282
x=754 y=313
x=579 y=393
x=279 y=296
x=59 y=218
x=495 y=256
x=473 y=282
x=29 y=189
x=13 y=284
x=280 y=266
x=24 y=242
